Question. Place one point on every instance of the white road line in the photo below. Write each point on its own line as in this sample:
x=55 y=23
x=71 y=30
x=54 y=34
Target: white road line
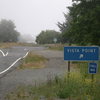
x=25 y=49
x=13 y=63
x=10 y=66
x=2 y=53
x=6 y=54
x=26 y=55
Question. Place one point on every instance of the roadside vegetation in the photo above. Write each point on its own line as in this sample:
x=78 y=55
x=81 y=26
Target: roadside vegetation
x=33 y=60
x=55 y=46
x=7 y=45
x=78 y=86
x=59 y=47
x=11 y=44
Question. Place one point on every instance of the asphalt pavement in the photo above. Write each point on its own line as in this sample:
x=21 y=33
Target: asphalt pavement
x=13 y=77
x=10 y=57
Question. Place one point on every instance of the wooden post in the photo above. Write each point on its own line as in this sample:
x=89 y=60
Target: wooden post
x=68 y=69
x=92 y=78
x=69 y=64
x=69 y=75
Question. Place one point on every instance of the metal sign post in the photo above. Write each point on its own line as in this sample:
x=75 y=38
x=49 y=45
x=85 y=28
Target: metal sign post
x=82 y=53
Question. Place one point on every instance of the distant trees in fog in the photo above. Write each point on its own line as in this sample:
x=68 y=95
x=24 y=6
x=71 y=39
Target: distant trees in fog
x=8 y=32
x=48 y=37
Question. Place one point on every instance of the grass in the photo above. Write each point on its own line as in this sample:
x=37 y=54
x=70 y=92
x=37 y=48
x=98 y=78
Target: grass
x=83 y=66
x=55 y=47
x=58 y=46
x=76 y=88
x=8 y=45
x=79 y=86
x=33 y=61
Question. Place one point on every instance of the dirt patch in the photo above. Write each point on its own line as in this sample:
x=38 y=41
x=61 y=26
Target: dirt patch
x=33 y=60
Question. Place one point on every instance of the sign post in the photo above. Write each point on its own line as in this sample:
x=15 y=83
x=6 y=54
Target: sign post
x=69 y=69
x=82 y=53
x=55 y=40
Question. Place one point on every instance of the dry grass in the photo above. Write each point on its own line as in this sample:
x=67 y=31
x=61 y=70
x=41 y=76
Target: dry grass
x=8 y=45
x=33 y=61
x=55 y=46
x=58 y=46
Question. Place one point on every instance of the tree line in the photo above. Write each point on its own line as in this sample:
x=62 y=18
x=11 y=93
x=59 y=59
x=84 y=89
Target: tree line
x=8 y=32
x=48 y=37
x=81 y=25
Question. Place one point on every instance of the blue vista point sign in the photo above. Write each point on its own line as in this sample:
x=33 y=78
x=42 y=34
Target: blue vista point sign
x=81 y=53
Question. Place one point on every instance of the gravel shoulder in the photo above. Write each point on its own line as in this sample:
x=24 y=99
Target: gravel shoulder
x=55 y=66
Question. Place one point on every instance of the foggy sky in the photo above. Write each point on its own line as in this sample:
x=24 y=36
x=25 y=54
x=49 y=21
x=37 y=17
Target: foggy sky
x=32 y=16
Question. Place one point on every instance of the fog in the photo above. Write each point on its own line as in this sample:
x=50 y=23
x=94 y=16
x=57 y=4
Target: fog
x=33 y=16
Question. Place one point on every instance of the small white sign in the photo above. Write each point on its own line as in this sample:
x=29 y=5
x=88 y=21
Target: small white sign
x=55 y=40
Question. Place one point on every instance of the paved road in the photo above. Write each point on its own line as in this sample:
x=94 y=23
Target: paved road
x=13 y=54
x=55 y=66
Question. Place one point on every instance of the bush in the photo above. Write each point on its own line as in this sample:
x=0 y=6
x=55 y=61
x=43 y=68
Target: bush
x=77 y=87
